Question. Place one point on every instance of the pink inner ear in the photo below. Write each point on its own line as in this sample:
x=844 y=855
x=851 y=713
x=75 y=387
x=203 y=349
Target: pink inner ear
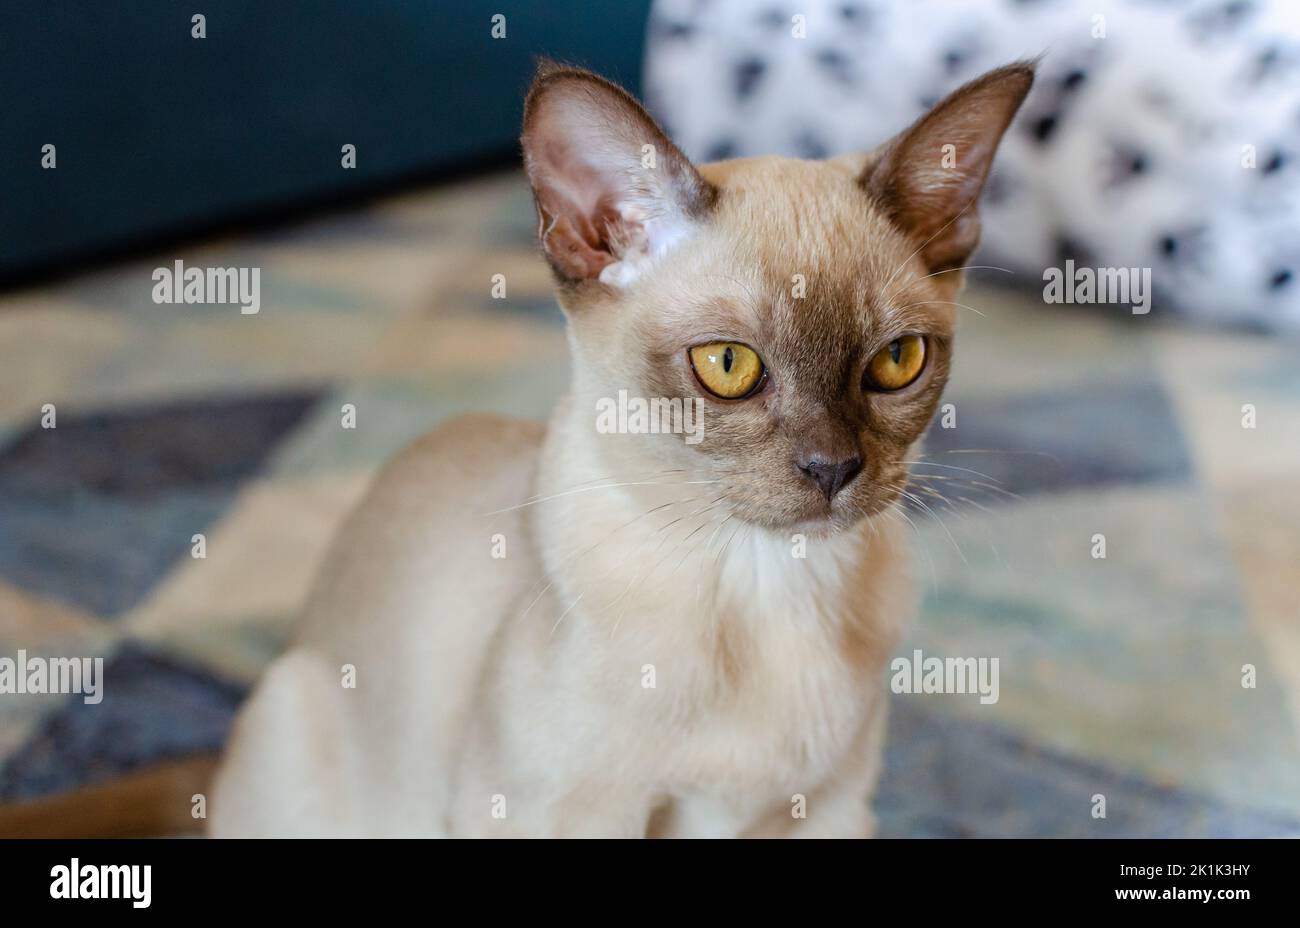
x=581 y=166
x=597 y=202
x=564 y=172
x=576 y=253
x=576 y=181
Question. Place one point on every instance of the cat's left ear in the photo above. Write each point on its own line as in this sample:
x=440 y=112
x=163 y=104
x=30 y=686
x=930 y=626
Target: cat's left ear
x=612 y=190
x=929 y=177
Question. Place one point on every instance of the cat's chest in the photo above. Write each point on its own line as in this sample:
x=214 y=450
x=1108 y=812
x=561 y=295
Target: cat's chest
x=711 y=655
x=768 y=677
x=780 y=703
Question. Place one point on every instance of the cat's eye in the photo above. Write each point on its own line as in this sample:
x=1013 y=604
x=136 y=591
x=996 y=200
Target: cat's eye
x=896 y=365
x=728 y=370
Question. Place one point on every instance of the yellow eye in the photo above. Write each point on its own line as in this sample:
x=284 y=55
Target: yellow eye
x=897 y=364
x=727 y=369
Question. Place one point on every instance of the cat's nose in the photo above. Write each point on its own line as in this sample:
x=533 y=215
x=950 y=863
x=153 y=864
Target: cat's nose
x=831 y=477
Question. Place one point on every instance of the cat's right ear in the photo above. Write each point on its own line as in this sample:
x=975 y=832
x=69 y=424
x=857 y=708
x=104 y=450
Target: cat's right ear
x=928 y=178
x=612 y=191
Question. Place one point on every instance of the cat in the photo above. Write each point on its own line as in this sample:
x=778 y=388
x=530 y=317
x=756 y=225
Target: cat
x=566 y=630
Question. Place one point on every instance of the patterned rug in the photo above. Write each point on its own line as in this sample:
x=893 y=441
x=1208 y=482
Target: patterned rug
x=1120 y=677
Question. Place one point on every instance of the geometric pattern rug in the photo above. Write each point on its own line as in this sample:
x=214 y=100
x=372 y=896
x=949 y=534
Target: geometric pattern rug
x=1119 y=676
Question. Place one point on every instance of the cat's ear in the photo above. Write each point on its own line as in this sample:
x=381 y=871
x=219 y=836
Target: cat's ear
x=611 y=189
x=929 y=177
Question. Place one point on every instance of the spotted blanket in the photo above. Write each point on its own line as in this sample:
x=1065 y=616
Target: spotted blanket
x=1162 y=136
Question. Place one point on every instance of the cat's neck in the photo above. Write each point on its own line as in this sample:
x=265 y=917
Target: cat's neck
x=621 y=531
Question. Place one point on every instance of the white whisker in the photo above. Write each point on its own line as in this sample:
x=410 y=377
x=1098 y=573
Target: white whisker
x=608 y=486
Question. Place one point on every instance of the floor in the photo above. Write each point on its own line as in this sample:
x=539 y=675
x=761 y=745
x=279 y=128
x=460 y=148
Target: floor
x=1120 y=677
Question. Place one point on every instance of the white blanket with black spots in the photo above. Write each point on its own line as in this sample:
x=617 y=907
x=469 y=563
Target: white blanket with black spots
x=1161 y=134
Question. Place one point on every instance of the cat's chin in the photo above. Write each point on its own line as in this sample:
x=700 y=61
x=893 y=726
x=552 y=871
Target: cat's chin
x=818 y=526
x=821 y=525
x=828 y=521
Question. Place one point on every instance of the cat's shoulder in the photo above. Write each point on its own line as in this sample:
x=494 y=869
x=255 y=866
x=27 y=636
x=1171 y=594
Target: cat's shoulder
x=470 y=445
x=463 y=465
x=404 y=543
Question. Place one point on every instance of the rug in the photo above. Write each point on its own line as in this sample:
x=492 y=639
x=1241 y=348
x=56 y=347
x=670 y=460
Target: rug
x=186 y=429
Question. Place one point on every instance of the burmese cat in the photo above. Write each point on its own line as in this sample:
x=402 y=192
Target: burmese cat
x=651 y=655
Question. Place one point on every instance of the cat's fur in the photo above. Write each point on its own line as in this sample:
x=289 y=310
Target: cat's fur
x=650 y=656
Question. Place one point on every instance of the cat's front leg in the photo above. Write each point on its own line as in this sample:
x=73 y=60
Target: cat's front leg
x=580 y=813
x=841 y=812
x=844 y=814
x=505 y=796
x=836 y=810
x=706 y=815
x=839 y=807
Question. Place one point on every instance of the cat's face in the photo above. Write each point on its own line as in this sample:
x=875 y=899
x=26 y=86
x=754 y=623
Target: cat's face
x=806 y=309
x=796 y=267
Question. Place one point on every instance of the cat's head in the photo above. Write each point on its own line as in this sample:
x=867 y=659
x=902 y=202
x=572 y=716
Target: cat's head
x=806 y=306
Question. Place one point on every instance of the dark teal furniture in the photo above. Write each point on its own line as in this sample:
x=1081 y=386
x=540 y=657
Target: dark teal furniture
x=159 y=134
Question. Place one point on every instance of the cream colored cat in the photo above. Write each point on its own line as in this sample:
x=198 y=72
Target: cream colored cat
x=683 y=637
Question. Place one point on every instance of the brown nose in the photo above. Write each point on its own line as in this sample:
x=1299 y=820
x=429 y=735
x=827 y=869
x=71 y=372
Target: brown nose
x=831 y=477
